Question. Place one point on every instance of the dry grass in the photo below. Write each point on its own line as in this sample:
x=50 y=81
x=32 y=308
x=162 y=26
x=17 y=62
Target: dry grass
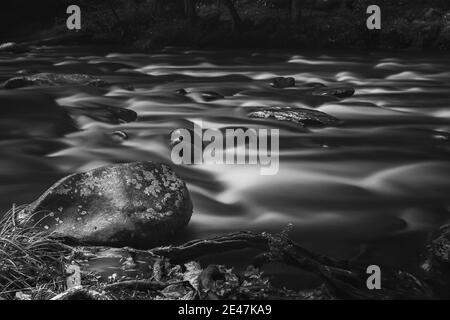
x=30 y=262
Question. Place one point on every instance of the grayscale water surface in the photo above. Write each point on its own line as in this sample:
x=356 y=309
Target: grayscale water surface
x=380 y=180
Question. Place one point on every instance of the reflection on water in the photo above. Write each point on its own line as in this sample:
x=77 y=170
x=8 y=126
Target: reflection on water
x=381 y=179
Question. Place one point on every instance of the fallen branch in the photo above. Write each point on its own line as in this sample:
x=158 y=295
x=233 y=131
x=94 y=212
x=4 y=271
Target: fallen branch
x=197 y=248
x=345 y=279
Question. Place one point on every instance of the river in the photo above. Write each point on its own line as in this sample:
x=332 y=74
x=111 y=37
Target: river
x=378 y=183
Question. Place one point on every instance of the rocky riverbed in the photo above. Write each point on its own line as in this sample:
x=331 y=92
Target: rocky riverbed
x=363 y=166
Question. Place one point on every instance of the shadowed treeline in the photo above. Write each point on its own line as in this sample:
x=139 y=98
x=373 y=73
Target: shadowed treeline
x=147 y=24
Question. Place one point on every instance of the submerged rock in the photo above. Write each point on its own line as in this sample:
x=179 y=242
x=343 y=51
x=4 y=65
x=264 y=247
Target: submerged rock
x=303 y=117
x=203 y=95
x=53 y=79
x=183 y=92
x=282 y=82
x=340 y=92
x=119 y=136
x=13 y=47
x=135 y=204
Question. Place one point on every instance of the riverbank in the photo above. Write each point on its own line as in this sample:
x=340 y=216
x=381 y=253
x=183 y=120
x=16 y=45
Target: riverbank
x=323 y=25
x=35 y=266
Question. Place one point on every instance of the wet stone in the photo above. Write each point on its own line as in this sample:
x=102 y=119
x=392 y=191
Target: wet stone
x=340 y=92
x=53 y=79
x=282 y=82
x=136 y=204
x=300 y=116
x=203 y=95
x=119 y=136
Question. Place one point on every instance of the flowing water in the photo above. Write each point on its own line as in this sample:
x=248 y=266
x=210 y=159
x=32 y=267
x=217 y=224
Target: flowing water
x=378 y=181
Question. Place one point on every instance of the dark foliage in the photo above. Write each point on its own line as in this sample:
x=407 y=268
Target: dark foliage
x=237 y=23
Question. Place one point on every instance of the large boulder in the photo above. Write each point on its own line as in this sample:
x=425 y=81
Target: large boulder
x=53 y=79
x=300 y=116
x=135 y=204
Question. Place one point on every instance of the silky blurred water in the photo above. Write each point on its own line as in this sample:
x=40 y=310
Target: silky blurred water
x=379 y=181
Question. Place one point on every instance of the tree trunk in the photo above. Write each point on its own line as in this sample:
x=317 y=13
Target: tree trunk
x=236 y=19
x=189 y=10
x=295 y=10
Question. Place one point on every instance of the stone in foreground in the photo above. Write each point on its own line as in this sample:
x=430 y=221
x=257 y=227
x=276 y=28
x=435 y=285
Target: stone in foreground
x=135 y=204
x=300 y=116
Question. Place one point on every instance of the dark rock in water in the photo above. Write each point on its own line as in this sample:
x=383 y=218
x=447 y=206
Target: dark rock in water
x=99 y=83
x=135 y=204
x=32 y=114
x=108 y=114
x=211 y=96
x=53 y=79
x=119 y=136
x=181 y=91
x=203 y=95
x=344 y=92
x=129 y=87
x=303 y=117
x=13 y=47
x=282 y=82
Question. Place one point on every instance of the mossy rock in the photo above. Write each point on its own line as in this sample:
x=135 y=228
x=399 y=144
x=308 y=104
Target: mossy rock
x=136 y=204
